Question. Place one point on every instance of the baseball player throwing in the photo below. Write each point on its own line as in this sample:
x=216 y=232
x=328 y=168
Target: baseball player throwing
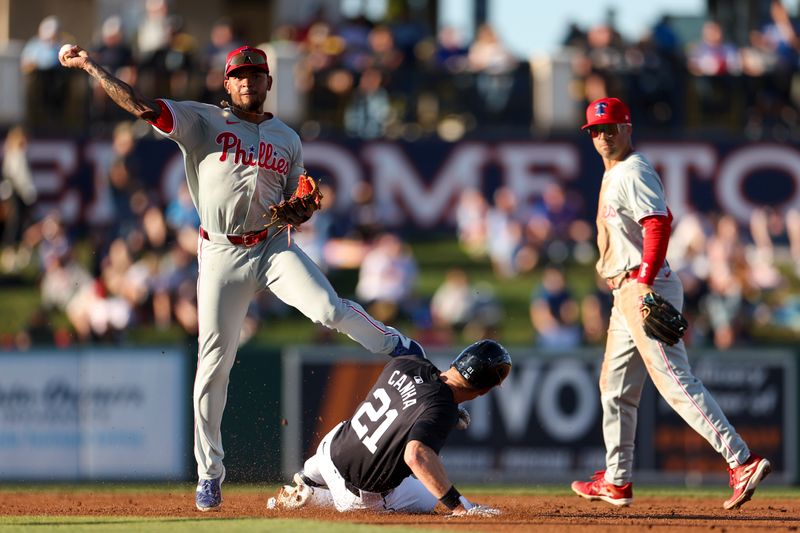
x=633 y=227
x=240 y=161
x=367 y=462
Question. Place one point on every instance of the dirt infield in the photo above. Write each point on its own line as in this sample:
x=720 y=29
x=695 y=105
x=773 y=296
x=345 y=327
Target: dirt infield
x=520 y=513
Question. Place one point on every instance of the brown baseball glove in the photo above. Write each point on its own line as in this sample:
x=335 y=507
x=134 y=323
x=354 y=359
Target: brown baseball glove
x=299 y=208
x=662 y=321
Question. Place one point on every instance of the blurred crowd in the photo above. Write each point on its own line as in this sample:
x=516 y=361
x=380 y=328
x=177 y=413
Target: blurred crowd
x=137 y=268
x=140 y=268
x=739 y=280
x=366 y=78
x=738 y=284
x=709 y=82
x=397 y=78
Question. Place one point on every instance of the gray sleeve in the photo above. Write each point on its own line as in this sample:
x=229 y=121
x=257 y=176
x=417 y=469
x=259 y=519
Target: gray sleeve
x=189 y=123
x=645 y=194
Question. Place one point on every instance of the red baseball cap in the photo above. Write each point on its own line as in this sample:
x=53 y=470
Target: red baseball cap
x=607 y=111
x=246 y=56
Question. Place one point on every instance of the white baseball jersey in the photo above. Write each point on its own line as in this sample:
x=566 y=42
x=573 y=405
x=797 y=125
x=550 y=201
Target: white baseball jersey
x=631 y=191
x=235 y=169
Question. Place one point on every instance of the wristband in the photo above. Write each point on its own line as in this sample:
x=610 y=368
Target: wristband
x=451 y=498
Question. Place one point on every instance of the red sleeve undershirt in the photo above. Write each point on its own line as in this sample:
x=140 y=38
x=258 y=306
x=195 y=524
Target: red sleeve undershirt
x=164 y=120
x=656 y=230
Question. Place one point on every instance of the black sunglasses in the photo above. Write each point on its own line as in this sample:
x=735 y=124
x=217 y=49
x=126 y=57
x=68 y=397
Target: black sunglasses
x=608 y=129
x=247 y=58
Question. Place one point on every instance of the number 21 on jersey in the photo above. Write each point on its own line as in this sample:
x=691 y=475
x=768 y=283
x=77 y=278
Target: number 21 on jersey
x=374 y=415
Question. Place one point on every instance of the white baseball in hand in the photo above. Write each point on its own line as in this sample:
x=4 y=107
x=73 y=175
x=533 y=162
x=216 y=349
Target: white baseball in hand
x=63 y=50
x=68 y=57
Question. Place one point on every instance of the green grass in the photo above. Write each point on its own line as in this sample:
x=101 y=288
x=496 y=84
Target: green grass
x=19 y=303
x=180 y=525
x=434 y=256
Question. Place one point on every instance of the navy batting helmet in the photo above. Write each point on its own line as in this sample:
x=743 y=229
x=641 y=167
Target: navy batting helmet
x=483 y=364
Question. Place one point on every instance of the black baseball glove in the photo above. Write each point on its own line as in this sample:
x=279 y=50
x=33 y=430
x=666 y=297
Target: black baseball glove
x=662 y=321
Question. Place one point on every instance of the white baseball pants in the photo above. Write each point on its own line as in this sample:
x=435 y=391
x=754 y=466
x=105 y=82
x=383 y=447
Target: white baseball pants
x=629 y=358
x=229 y=276
x=410 y=496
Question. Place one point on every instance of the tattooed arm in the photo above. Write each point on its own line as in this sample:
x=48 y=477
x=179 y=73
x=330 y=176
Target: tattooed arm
x=123 y=94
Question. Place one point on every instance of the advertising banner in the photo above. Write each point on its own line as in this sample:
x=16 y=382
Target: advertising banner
x=757 y=392
x=416 y=185
x=544 y=423
x=94 y=414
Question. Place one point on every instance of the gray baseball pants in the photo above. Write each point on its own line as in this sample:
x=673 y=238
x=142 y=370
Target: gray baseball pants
x=630 y=357
x=229 y=276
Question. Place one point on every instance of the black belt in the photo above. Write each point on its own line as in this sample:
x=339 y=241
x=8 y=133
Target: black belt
x=357 y=492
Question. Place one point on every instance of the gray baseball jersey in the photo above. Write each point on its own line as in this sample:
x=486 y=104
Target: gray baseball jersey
x=241 y=168
x=631 y=191
x=235 y=171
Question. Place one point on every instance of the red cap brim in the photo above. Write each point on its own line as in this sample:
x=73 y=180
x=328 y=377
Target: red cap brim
x=264 y=68
x=602 y=121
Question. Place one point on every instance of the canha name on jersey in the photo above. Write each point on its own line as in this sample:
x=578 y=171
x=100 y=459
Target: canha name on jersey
x=405 y=385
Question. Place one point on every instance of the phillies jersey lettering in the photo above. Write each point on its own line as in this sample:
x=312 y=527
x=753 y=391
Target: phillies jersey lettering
x=235 y=169
x=630 y=191
x=408 y=402
x=265 y=159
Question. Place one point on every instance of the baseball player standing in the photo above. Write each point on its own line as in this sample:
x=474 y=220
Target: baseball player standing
x=239 y=162
x=633 y=227
x=367 y=462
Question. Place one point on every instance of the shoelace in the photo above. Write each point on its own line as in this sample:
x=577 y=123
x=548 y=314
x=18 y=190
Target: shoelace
x=598 y=479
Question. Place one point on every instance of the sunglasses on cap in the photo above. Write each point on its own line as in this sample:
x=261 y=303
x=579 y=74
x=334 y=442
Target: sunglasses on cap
x=247 y=58
x=607 y=129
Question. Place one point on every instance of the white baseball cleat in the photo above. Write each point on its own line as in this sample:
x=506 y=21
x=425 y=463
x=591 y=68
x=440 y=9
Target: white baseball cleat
x=293 y=497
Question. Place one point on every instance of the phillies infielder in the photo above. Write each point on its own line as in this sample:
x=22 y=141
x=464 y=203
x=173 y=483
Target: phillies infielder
x=633 y=227
x=239 y=161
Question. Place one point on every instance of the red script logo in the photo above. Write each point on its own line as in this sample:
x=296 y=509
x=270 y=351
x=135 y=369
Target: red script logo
x=608 y=211
x=266 y=154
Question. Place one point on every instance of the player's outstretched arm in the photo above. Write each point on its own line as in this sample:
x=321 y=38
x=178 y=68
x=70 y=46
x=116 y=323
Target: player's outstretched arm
x=427 y=467
x=125 y=96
